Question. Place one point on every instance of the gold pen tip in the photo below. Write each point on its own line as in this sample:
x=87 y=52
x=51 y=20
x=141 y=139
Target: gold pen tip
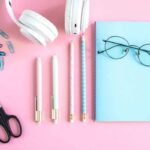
x=38 y=116
x=55 y=121
x=71 y=118
x=84 y=117
x=55 y=115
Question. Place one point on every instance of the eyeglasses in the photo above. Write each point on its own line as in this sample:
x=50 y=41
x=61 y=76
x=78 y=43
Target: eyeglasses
x=117 y=47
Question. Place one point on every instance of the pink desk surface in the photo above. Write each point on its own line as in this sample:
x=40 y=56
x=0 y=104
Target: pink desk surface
x=17 y=90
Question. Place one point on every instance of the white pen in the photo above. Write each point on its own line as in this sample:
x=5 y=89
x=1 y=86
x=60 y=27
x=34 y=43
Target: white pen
x=55 y=113
x=71 y=116
x=38 y=100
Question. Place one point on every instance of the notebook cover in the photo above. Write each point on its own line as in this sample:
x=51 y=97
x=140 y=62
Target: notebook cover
x=122 y=86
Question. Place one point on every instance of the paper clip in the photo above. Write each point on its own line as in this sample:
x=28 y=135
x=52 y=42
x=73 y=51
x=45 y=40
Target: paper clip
x=2 y=53
x=4 y=34
x=1 y=45
x=10 y=46
x=1 y=63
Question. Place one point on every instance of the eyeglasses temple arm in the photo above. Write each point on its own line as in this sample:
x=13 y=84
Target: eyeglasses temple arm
x=129 y=46
x=146 y=51
x=100 y=52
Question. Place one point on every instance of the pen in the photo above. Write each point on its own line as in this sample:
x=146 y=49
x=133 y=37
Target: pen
x=38 y=100
x=84 y=111
x=71 y=116
x=55 y=113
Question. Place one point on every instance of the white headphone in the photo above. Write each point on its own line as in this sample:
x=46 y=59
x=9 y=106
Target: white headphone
x=34 y=26
x=76 y=16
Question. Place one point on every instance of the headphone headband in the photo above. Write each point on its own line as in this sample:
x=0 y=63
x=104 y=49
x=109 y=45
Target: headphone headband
x=11 y=12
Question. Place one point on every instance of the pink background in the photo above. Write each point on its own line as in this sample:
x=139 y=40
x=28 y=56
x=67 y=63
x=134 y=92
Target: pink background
x=17 y=82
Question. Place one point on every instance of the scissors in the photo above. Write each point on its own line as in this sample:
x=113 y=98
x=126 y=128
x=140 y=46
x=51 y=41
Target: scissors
x=7 y=123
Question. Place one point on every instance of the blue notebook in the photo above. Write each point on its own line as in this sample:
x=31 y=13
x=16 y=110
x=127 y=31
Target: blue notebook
x=123 y=85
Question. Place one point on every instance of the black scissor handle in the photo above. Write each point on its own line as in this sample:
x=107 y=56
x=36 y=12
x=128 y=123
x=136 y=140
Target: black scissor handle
x=7 y=126
x=18 y=125
x=6 y=134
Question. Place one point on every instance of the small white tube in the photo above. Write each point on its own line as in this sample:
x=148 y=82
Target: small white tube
x=38 y=103
x=71 y=116
x=55 y=89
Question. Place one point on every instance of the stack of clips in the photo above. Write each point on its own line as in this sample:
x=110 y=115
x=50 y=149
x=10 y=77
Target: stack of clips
x=10 y=47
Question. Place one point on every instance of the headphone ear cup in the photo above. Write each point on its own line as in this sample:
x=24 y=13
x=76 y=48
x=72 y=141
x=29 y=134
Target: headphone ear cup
x=32 y=36
x=39 y=24
x=76 y=16
x=68 y=16
x=33 y=25
x=85 y=15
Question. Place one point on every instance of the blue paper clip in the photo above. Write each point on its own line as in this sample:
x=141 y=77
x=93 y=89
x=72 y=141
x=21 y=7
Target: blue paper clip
x=2 y=53
x=4 y=34
x=1 y=63
x=10 y=46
